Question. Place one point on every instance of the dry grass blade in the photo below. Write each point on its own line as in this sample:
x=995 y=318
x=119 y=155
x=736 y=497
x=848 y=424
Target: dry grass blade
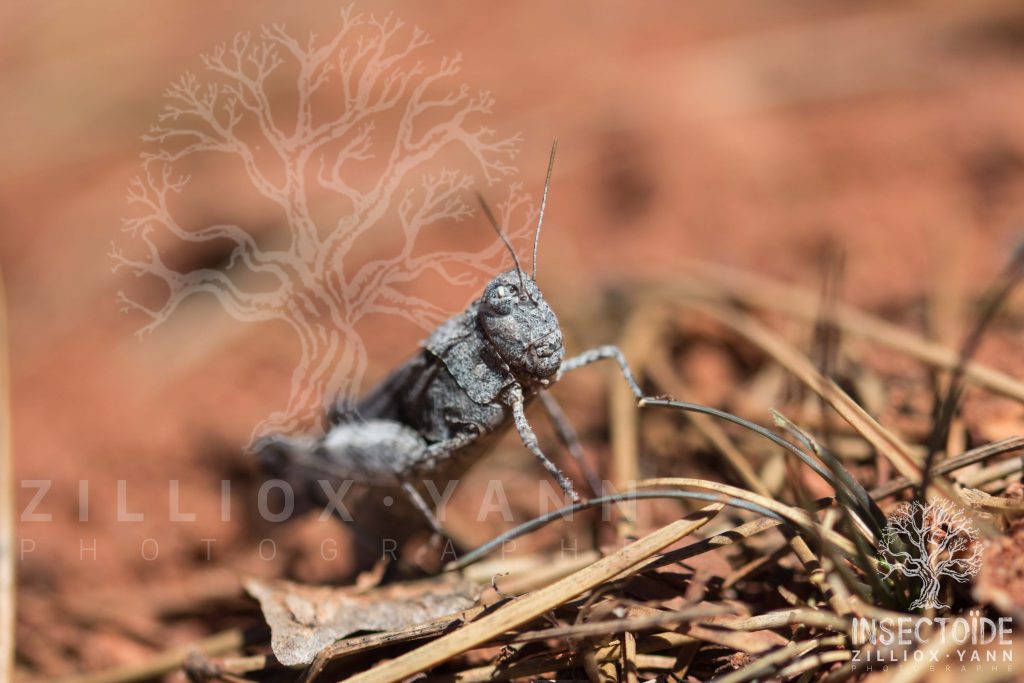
x=535 y=604
x=734 y=535
x=617 y=626
x=199 y=667
x=984 y=501
x=629 y=667
x=167 y=661
x=567 y=512
x=638 y=338
x=827 y=338
x=767 y=664
x=7 y=566
x=813 y=662
x=665 y=374
x=774 y=296
x=530 y=668
x=886 y=443
x=797 y=516
x=1014 y=443
x=507 y=671
x=993 y=473
x=992 y=301
x=351 y=646
x=800 y=519
x=788 y=617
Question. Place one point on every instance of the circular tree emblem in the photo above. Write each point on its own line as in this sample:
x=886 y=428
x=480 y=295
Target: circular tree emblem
x=929 y=542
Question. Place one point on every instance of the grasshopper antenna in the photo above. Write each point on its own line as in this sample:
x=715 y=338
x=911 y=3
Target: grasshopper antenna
x=543 y=205
x=508 y=245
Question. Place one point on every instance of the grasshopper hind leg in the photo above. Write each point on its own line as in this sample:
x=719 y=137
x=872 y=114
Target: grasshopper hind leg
x=378 y=454
x=421 y=505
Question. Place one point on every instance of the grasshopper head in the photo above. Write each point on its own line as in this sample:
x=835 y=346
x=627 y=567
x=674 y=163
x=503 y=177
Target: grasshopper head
x=520 y=326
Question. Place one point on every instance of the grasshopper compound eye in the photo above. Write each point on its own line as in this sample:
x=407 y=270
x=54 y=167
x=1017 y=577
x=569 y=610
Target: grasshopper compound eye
x=508 y=291
x=499 y=300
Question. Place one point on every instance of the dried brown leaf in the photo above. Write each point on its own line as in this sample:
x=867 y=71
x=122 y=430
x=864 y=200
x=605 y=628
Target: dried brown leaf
x=304 y=619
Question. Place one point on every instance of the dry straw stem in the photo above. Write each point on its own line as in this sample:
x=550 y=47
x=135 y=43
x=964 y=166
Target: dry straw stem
x=656 y=642
x=993 y=473
x=814 y=661
x=543 y=664
x=718 y=438
x=799 y=545
x=794 y=301
x=652 y=619
x=767 y=664
x=506 y=672
x=167 y=661
x=886 y=443
x=373 y=641
x=629 y=667
x=535 y=604
x=524 y=578
x=668 y=379
x=1014 y=443
x=798 y=616
x=639 y=337
x=684 y=647
x=729 y=537
x=801 y=549
x=797 y=515
x=7 y=567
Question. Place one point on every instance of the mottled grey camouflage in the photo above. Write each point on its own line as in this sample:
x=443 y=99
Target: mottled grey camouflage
x=472 y=378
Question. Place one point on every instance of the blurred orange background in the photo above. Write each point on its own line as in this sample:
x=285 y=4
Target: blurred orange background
x=748 y=133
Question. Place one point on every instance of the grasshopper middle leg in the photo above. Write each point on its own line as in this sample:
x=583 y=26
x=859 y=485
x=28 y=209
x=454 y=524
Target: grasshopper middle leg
x=567 y=435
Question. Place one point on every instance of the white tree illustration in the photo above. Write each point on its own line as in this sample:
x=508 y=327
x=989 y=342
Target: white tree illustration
x=342 y=137
x=929 y=542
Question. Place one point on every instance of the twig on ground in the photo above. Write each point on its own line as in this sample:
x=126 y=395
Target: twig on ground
x=669 y=381
x=1014 y=443
x=772 y=295
x=637 y=340
x=539 y=602
x=166 y=661
x=768 y=664
x=8 y=580
x=992 y=301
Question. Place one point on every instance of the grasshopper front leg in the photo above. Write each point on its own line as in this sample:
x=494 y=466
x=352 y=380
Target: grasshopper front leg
x=514 y=398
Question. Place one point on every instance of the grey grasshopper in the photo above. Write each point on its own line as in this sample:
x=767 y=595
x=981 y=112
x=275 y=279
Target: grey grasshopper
x=473 y=378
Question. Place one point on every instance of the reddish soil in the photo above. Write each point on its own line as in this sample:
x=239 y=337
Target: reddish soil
x=746 y=133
